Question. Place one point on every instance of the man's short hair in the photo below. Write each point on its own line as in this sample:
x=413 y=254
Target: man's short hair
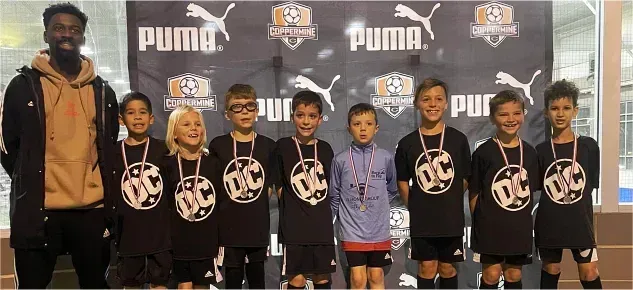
x=66 y=8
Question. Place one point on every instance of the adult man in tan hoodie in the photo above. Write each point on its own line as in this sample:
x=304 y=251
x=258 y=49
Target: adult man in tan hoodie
x=59 y=127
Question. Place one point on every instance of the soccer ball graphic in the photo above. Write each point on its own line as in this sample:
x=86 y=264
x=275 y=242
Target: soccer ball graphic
x=188 y=86
x=396 y=218
x=395 y=84
x=494 y=13
x=292 y=14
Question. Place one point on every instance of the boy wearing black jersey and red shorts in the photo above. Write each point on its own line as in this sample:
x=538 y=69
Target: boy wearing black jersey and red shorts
x=570 y=171
x=245 y=158
x=504 y=177
x=305 y=217
x=436 y=199
x=143 y=241
x=192 y=180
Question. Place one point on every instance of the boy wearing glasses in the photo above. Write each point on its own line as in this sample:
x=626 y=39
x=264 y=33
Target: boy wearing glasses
x=246 y=166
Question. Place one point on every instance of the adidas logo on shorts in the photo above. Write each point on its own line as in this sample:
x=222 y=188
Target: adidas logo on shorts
x=387 y=256
x=208 y=274
x=457 y=253
x=333 y=263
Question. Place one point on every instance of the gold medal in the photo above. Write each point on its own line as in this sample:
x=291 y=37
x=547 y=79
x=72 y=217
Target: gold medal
x=244 y=194
x=436 y=182
x=313 y=201
x=191 y=217
x=515 y=200
x=567 y=199
x=363 y=207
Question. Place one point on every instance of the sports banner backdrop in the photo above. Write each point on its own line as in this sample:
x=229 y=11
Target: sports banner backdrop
x=347 y=52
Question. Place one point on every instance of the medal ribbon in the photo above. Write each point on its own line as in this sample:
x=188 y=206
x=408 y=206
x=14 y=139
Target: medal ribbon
x=243 y=187
x=428 y=157
x=195 y=186
x=309 y=179
x=137 y=191
x=371 y=162
x=515 y=188
x=567 y=183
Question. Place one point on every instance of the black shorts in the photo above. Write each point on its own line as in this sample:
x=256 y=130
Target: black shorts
x=237 y=256
x=199 y=272
x=316 y=259
x=135 y=271
x=369 y=259
x=443 y=249
x=581 y=256
x=519 y=260
x=79 y=232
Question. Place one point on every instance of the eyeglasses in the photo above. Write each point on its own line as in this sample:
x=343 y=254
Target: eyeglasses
x=238 y=108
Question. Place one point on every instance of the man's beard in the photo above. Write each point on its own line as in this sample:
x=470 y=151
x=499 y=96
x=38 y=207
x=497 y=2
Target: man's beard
x=66 y=56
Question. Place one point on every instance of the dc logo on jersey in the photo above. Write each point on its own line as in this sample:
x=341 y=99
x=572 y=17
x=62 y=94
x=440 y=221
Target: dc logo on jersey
x=151 y=186
x=425 y=176
x=301 y=182
x=203 y=200
x=556 y=188
x=252 y=180
x=502 y=188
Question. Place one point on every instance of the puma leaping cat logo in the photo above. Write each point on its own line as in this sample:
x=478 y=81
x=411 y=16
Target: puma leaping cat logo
x=507 y=79
x=306 y=83
x=407 y=280
x=197 y=11
x=404 y=11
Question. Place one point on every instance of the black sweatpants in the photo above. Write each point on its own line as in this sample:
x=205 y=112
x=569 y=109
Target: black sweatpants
x=79 y=232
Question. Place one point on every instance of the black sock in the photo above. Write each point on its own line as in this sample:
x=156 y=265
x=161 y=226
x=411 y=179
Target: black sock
x=483 y=285
x=549 y=281
x=255 y=275
x=234 y=277
x=595 y=284
x=448 y=283
x=327 y=285
x=424 y=283
x=294 y=287
x=513 y=285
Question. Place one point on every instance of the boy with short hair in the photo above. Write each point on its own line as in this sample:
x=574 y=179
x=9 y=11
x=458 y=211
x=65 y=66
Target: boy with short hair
x=142 y=211
x=305 y=218
x=362 y=184
x=504 y=177
x=570 y=171
x=436 y=199
x=245 y=158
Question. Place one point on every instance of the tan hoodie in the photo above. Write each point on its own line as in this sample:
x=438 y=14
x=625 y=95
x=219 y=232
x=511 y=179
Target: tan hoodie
x=72 y=177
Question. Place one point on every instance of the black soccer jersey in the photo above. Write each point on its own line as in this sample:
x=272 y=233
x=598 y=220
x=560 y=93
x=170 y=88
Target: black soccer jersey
x=561 y=224
x=502 y=221
x=142 y=210
x=197 y=238
x=436 y=210
x=305 y=218
x=243 y=198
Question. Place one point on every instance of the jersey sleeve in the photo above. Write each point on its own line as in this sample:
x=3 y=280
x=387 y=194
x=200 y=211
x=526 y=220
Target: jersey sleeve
x=477 y=173
x=402 y=167
x=334 y=188
x=391 y=178
x=594 y=156
x=466 y=159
